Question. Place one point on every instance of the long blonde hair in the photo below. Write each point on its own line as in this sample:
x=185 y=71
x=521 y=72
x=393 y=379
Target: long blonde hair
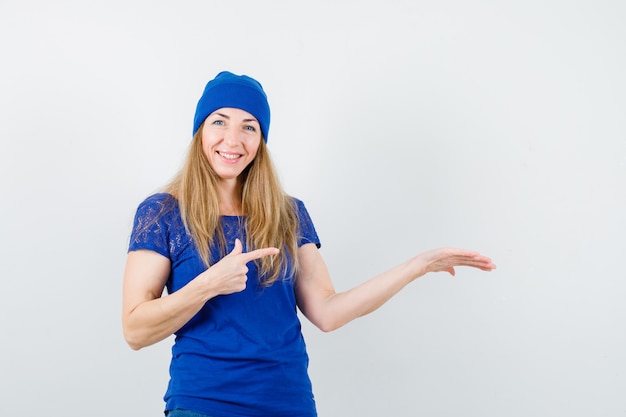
x=271 y=216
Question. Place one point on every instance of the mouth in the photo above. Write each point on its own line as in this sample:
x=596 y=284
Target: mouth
x=229 y=156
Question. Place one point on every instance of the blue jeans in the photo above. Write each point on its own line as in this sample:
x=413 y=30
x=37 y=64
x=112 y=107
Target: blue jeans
x=184 y=413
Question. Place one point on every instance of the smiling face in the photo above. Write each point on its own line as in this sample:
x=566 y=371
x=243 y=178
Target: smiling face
x=230 y=141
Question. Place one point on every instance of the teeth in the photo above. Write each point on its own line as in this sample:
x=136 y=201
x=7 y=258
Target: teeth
x=230 y=155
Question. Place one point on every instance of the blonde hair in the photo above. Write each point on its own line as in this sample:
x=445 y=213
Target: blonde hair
x=271 y=216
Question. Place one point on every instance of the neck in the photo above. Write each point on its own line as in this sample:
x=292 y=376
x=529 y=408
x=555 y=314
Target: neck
x=229 y=193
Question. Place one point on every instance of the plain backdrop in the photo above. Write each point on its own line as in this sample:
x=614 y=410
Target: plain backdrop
x=497 y=126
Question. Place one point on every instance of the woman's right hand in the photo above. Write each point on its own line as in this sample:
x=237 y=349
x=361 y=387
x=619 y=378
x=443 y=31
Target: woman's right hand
x=229 y=275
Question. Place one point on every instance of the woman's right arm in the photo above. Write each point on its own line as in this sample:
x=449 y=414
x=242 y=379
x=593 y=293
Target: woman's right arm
x=148 y=318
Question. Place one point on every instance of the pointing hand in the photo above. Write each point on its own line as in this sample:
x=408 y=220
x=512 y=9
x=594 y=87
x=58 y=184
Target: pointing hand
x=229 y=274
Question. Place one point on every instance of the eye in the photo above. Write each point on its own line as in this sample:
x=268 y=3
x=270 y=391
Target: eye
x=218 y=122
x=250 y=128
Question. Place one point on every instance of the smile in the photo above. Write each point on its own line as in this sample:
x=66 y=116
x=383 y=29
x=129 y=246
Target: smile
x=229 y=156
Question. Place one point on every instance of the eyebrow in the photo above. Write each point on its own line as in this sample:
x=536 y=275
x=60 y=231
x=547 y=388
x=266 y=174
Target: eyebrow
x=228 y=117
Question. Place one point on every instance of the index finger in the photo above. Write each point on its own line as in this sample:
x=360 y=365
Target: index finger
x=258 y=253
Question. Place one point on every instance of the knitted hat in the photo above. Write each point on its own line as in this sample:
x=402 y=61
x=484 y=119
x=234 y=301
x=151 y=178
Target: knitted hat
x=238 y=91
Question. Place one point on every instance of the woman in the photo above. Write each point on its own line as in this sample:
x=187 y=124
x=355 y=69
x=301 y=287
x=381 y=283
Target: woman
x=238 y=256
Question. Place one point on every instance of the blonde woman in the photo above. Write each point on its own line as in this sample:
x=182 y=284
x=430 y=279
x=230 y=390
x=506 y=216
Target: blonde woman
x=238 y=256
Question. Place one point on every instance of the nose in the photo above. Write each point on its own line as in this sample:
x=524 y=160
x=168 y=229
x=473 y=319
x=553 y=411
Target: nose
x=231 y=136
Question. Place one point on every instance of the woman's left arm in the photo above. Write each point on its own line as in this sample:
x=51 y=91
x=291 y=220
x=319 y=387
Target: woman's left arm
x=329 y=310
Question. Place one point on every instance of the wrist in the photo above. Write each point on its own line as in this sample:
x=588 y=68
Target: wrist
x=418 y=266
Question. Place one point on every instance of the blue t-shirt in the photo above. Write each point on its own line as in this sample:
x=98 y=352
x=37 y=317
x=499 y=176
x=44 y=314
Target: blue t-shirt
x=242 y=354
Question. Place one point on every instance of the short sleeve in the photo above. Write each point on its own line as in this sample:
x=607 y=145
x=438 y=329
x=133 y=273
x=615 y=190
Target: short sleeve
x=152 y=225
x=306 y=233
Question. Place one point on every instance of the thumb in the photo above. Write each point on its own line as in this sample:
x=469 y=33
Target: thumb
x=237 y=249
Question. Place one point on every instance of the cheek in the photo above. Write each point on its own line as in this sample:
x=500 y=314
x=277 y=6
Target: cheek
x=253 y=148
x=205 y=149
x=206 y=143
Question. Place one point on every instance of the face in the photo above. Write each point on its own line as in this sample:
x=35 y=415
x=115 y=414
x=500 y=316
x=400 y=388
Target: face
x=230 y=141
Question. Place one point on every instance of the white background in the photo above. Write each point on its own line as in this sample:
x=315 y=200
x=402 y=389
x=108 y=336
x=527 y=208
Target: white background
x=403 y=125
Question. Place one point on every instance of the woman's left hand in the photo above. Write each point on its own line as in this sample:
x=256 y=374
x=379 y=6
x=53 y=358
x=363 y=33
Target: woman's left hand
x=446 y=259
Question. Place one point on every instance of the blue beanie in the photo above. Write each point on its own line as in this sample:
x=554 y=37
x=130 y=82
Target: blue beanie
x=238 y=91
